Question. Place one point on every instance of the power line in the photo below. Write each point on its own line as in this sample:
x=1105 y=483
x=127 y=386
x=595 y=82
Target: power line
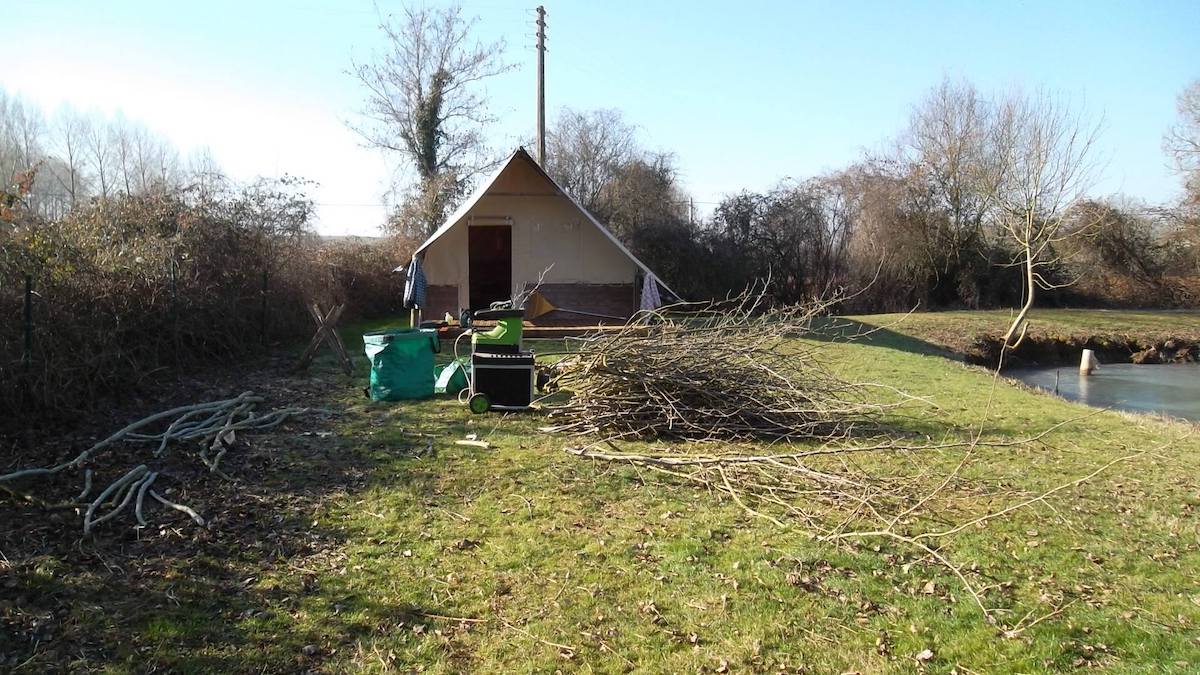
x=376 y=204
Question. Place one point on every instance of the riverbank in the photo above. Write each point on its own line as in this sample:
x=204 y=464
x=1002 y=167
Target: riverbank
x=1055 y=338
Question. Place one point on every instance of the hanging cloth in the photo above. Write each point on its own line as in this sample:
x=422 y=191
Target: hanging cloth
x=650 y=298
x=414 y=285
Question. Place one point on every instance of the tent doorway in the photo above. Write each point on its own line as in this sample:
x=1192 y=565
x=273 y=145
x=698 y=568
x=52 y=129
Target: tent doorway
x=489 y=264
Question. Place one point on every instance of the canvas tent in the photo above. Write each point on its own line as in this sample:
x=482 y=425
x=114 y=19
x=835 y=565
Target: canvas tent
x=519 y=226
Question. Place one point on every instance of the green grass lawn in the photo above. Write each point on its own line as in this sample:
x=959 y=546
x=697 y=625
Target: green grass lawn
x=524 y=558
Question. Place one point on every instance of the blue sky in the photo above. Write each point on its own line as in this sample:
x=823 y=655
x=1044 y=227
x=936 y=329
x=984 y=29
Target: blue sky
x=744 y=94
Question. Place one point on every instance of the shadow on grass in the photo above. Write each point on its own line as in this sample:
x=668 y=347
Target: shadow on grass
x=842 y=330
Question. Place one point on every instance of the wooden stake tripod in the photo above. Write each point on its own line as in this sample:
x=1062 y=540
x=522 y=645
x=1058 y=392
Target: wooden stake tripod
x=326 y=325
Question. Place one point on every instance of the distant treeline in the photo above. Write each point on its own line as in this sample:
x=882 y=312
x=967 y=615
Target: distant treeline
x=921 y=225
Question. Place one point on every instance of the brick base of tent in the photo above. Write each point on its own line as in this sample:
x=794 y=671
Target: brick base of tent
x=619 y=300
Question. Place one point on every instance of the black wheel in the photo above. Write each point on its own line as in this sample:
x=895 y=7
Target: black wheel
x=479 y=403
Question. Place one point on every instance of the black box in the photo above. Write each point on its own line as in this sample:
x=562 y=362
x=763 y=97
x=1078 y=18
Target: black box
x=506 y=379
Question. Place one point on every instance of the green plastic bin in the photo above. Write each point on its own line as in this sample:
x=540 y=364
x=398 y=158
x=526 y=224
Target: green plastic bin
x=401 y=363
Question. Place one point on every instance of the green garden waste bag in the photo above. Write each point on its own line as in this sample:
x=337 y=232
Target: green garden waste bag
x=401 y=363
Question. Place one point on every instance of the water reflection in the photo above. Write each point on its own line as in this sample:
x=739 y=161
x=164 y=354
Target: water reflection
x=1168 y=389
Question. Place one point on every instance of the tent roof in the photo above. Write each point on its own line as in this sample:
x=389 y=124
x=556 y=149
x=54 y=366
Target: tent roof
x=521 y=155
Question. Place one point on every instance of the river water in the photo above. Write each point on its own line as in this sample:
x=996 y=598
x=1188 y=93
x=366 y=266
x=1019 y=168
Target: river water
x=1172 y=389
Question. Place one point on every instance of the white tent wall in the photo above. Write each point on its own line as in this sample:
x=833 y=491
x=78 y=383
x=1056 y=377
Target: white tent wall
x=550 y=235
x=547 y=233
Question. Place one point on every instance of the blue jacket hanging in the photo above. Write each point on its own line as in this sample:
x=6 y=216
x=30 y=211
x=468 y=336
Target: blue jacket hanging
x=414 y=285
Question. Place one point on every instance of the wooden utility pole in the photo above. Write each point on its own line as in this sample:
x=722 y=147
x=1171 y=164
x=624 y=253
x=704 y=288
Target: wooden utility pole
x=541 y=87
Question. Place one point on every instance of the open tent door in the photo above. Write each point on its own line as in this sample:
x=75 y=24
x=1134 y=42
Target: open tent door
x=489 y=264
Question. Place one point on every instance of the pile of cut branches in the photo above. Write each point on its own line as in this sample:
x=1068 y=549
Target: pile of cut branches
x=208 y=429
x=724 y=371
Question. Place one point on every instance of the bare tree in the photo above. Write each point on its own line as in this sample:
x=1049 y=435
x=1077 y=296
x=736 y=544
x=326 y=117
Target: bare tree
x=24 y=136
x=887 y=254
x=142 y=160
x=203 y=172
x=1043 y=164
x=585 y=151
x=423 y=99
x=797 y=235
x=946 y=158
x=22 y=131
x=69 y=144
x=423 y=208
x=76 y=157
x=9 y=161
x=98 y=149
x=51 y=196
x=121 y=138
x=1182 y=141
x=30 y=133
x=165 y=164
x=643 y=193
x=144 y=150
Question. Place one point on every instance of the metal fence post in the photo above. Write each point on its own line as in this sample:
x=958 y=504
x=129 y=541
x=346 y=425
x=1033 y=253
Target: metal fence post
x=27 y=363
x=263 y=311
x=27 y=354
x=174 y=270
